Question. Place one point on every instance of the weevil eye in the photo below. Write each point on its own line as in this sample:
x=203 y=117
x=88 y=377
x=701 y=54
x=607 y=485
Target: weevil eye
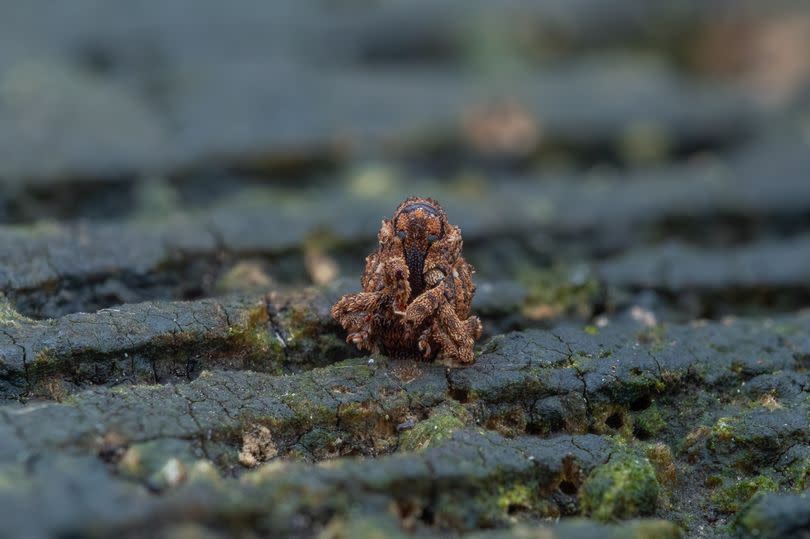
x=432 y=238
x=402 y=234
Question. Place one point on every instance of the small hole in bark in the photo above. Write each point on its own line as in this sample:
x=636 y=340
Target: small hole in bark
x=614 y=421
x=428 y=516
x=514 y=508
x=461 y=395
x=568 y=488
x=537 y=429
x=641 y=403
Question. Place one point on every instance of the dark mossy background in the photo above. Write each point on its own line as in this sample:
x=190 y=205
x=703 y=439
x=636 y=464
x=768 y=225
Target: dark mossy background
x=187 y=186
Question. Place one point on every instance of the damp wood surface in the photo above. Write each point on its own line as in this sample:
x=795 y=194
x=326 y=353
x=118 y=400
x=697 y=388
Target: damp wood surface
x=178 y=215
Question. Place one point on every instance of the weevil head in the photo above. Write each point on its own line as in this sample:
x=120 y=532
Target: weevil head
x=418 y=223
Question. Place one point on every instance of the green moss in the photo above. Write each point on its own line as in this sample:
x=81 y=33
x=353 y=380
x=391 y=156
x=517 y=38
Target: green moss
x=253 y=339
x=660 y=456
x=637 y=386
x=358 y=416
x=323 y=443
x=441 y=424
x=723 y=429
x=798 y=474
x=730 y=498
x=713 y=481
x=8 y=314
x=494 y=503
x=516 y=496
x=623 y=488
x=298 y=323
x=755 y=519
x=370 y=424
x=304 y=332
x=46 y=373
x=612 y=419
x=366 y=422
x=649 y=422
x=521 y=497
x=738 y=439
x=559 y=290
x=307 y=414
x=508 y=420
x=44 y=360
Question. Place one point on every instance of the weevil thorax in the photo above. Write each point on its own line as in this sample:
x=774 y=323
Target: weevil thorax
x=419 y=222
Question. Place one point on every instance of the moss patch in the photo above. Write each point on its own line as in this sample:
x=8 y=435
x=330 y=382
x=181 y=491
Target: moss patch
x=730 y=498
x=301 y=329
x=8 y=314
x=648 y=423
x=516 y=497
x=560 y=290
x=723 y=429
x=371 y=425
x=798 y=474
x=660 y=456
x=613 y=419
x=623 y=488
x=441 y=424
x=253 y=337
x=509 y=420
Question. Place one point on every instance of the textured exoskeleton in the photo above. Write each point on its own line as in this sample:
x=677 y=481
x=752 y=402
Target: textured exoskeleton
x=416 y=290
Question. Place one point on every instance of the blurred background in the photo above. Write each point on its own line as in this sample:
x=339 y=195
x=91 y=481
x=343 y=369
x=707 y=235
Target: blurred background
x=626 y=158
